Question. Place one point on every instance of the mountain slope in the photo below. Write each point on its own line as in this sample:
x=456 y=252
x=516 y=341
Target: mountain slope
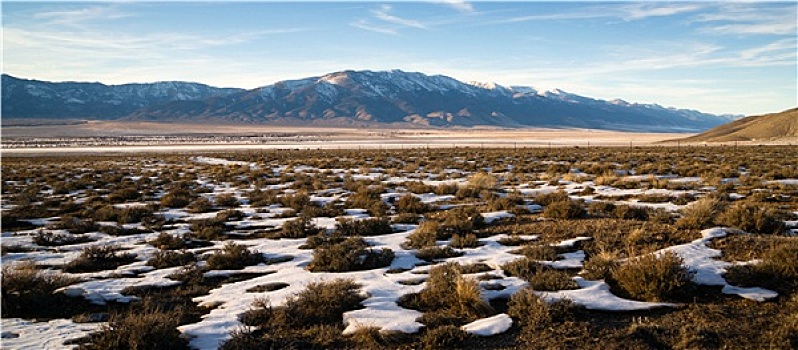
x=387 y=97
x=768 y=127
x=24 y=98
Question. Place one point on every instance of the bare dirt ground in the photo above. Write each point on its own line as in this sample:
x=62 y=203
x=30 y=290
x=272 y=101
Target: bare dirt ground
x=126 y=137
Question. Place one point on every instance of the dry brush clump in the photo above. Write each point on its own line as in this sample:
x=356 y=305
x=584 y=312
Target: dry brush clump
x=170 y=258
x=444 y=337
x=425 y=235
x=52 y=239
x=148 y=330
x=363 y=227
x=777 y=269
x=464 y=241
x=599 y=266
x=754 y=218
x=311 y=319
x=411 y=204
x=448 y=298
x=564 y=209
x=540 y=276
x=532 y=312
x=652 y=277
x=28 y=291
x=298 y=228
x=352 y=254
x=700 y=214
x=208 y=229
x=98 y=258
x=432 y=254
x=233 y=257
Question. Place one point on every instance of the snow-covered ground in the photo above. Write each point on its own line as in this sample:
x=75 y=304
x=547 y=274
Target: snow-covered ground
x=381 y=288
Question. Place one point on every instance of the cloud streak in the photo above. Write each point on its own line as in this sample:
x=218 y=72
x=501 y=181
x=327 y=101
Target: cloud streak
x=80 y=16
x=459 y=5
x=384 y=14
x=749 y=19
x=625 y=12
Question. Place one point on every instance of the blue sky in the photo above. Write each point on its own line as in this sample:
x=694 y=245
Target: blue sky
x=718 y=57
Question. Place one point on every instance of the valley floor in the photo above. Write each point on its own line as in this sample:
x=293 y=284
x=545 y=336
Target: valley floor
x=159 y=137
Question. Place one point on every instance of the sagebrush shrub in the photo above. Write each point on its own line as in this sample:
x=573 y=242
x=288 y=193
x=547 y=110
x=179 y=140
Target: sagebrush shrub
x=437 y=253
x=168 y=258
x=208 y=229
x=542 y=252
x=363 y=227
x=233 y=257
x=600 y=266
x=151 y=329
x=549 y=279
x=199 y=205
x=299 y=228
x=75 y=225
x=449 y=294
x=533 y=312
x=177 y=198
x=444 y=337
x=26 y=289
x=226 y=200
x=652 y=277
x=352 y=254
x=564 y=209
x=411 y=204
x=98 y=258
x=425 y=235
x=629 y=212
x=545 y=199
x=465 y=241
x=700 y=214
x=50 y=239
x=753 y=218
x=462 y=220
x=320 y=303
x=778 y=269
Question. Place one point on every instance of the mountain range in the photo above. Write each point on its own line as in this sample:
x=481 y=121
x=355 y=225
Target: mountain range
x=354 y=98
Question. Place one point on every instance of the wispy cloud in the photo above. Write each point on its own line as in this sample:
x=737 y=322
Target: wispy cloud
x=74 y=17
x=625 y=12
x=384 y=21
x=124 y=43
x=365 y=25
x=750 y=19
x=384 y=14
x=637 y=11
x=459 y=5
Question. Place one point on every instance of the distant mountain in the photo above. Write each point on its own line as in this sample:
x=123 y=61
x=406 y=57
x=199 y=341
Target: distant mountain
x=350 y=98
x=768 y=127
x=24 y=98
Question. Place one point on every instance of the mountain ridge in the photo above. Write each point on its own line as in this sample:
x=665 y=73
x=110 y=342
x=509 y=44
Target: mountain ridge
x=767 y=127
x=350 y=97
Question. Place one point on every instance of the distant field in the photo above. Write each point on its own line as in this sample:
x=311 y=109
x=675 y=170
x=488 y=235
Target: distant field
x=158 y=137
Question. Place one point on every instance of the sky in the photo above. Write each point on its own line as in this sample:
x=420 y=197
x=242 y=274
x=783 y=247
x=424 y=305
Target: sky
x=716 y=57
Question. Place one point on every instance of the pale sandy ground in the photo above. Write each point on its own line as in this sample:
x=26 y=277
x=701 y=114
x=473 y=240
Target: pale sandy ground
x=322 y=138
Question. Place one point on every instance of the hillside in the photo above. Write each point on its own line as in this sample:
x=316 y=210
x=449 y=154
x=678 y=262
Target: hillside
x=768 y=127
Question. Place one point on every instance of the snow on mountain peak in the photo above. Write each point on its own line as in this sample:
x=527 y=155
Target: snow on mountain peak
x=335 y=78
x=487 y=86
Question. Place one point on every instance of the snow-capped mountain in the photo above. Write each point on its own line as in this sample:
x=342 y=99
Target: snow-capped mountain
x=24 y=98
x=365 y=98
